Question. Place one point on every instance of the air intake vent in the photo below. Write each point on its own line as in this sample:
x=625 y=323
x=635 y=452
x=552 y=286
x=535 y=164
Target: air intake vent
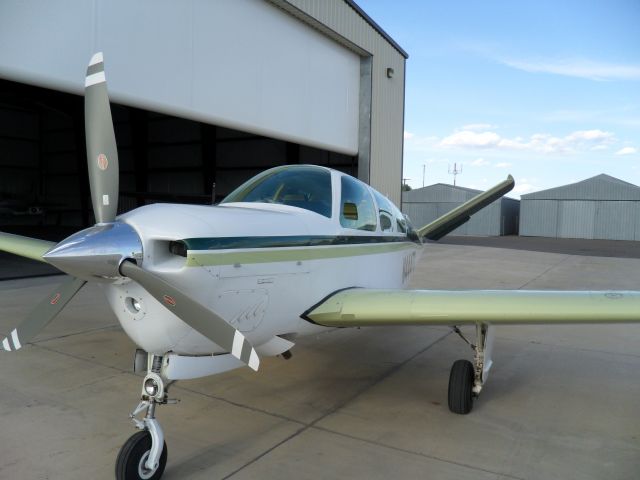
x=178 y=248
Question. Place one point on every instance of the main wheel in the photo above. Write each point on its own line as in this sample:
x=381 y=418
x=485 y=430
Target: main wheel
x=130 y=464
x=461 y=387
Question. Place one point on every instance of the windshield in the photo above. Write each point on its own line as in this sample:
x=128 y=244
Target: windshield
x=305 y=187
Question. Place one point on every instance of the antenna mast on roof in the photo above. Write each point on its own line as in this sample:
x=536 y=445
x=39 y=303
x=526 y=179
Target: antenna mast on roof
x=455 y=172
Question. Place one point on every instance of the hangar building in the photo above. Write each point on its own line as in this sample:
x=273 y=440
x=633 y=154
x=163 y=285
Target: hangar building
x=423 y=205
x=202 y=92
x=601 y=207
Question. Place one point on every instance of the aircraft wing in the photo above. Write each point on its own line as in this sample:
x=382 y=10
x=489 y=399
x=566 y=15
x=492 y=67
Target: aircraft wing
x=360 y=307
x=461 y=214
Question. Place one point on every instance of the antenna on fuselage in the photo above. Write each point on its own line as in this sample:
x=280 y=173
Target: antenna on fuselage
x=213 y=193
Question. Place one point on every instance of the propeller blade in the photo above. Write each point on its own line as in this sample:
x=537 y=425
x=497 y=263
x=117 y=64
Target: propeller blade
x=102 y=151
x=194 y=314
x=40 y=317
x=25 y=246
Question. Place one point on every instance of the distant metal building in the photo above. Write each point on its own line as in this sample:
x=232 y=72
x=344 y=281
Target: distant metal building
x=423 y=205
x=601 y=207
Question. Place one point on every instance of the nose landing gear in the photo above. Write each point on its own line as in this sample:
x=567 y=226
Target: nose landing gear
x=144 y=454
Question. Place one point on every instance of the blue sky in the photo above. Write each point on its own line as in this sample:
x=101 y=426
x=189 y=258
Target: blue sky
x=548 y=91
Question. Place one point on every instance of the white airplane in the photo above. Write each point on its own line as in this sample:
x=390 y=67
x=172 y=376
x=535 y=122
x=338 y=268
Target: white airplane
x=296 y=250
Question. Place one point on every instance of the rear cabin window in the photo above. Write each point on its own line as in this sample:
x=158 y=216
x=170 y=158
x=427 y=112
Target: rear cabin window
x=357 y=210
x=385 y=212
x=305 y=187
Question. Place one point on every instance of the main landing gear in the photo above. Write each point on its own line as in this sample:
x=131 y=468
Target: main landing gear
x=144 y=455
x=467 y=379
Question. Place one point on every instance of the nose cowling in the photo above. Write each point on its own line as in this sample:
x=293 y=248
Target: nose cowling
x=96 y=253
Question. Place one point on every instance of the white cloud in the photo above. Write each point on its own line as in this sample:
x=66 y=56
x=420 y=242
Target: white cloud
x=581 y=68
x=478 y=126
x=467 y=138
x=524 y=187
x=539 y=142
x=589 y=135
x=408 y=135
x=627 y=151
x=479 y=162
x=502 y=165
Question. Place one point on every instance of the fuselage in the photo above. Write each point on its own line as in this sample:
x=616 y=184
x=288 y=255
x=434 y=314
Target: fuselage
x=261 y=264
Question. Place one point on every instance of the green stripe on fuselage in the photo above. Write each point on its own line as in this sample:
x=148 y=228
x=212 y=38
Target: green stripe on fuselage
x=272 y=255
x=290 y=241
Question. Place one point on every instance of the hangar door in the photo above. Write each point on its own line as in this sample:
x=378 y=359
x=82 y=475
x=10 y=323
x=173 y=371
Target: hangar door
x=239 y=64
x=576 y=218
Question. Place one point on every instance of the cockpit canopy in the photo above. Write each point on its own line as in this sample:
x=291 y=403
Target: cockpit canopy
x=310 y=187
x=303 y=186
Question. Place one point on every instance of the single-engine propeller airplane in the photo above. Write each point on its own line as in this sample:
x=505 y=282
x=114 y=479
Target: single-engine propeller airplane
x=294 y=251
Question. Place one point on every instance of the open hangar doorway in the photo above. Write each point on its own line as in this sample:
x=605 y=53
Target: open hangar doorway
x=44 y=186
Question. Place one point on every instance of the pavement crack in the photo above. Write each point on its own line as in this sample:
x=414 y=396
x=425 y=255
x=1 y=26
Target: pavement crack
x=420 y=454
x=386 y=374
x=73 y=334
x=239 y=405
x=545 y=272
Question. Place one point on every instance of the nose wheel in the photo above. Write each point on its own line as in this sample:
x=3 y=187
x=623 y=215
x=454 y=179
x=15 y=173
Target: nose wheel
x=132 y=459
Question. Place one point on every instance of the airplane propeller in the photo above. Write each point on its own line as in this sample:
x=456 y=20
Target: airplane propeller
x=44 y=312
x=102 y=151
x=110 y=250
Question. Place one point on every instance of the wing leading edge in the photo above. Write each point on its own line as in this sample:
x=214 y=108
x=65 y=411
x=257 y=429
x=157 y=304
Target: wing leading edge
x=360 y=307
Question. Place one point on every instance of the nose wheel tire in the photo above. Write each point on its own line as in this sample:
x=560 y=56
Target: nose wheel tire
x=461 y=387
x=133 y=455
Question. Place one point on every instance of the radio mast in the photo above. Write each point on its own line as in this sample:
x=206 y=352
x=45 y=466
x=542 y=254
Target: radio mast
x=455 y=172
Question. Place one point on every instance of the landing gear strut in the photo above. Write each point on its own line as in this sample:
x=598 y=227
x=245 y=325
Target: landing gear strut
x=144 y=454
x=467 y=379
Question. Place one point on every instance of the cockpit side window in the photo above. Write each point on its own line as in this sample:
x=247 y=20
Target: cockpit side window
x=357 y=209
x=385 y=212
x=305 y=187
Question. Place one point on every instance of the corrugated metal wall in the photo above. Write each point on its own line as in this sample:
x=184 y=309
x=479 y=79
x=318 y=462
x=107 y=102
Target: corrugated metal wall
x=601 y=207
x=424 y=205
x=602 y=219
x=387 y=113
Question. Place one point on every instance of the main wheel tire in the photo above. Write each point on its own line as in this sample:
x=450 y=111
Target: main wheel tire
x=134 y=454
x=461 y=387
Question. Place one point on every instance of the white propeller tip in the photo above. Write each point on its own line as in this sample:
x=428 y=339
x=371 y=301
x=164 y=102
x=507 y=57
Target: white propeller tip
x=97 y=58
x=254 y=360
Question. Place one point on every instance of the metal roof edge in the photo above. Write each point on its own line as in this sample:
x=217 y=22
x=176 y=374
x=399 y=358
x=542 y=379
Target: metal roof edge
x=602 y=177
x=378 y=28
